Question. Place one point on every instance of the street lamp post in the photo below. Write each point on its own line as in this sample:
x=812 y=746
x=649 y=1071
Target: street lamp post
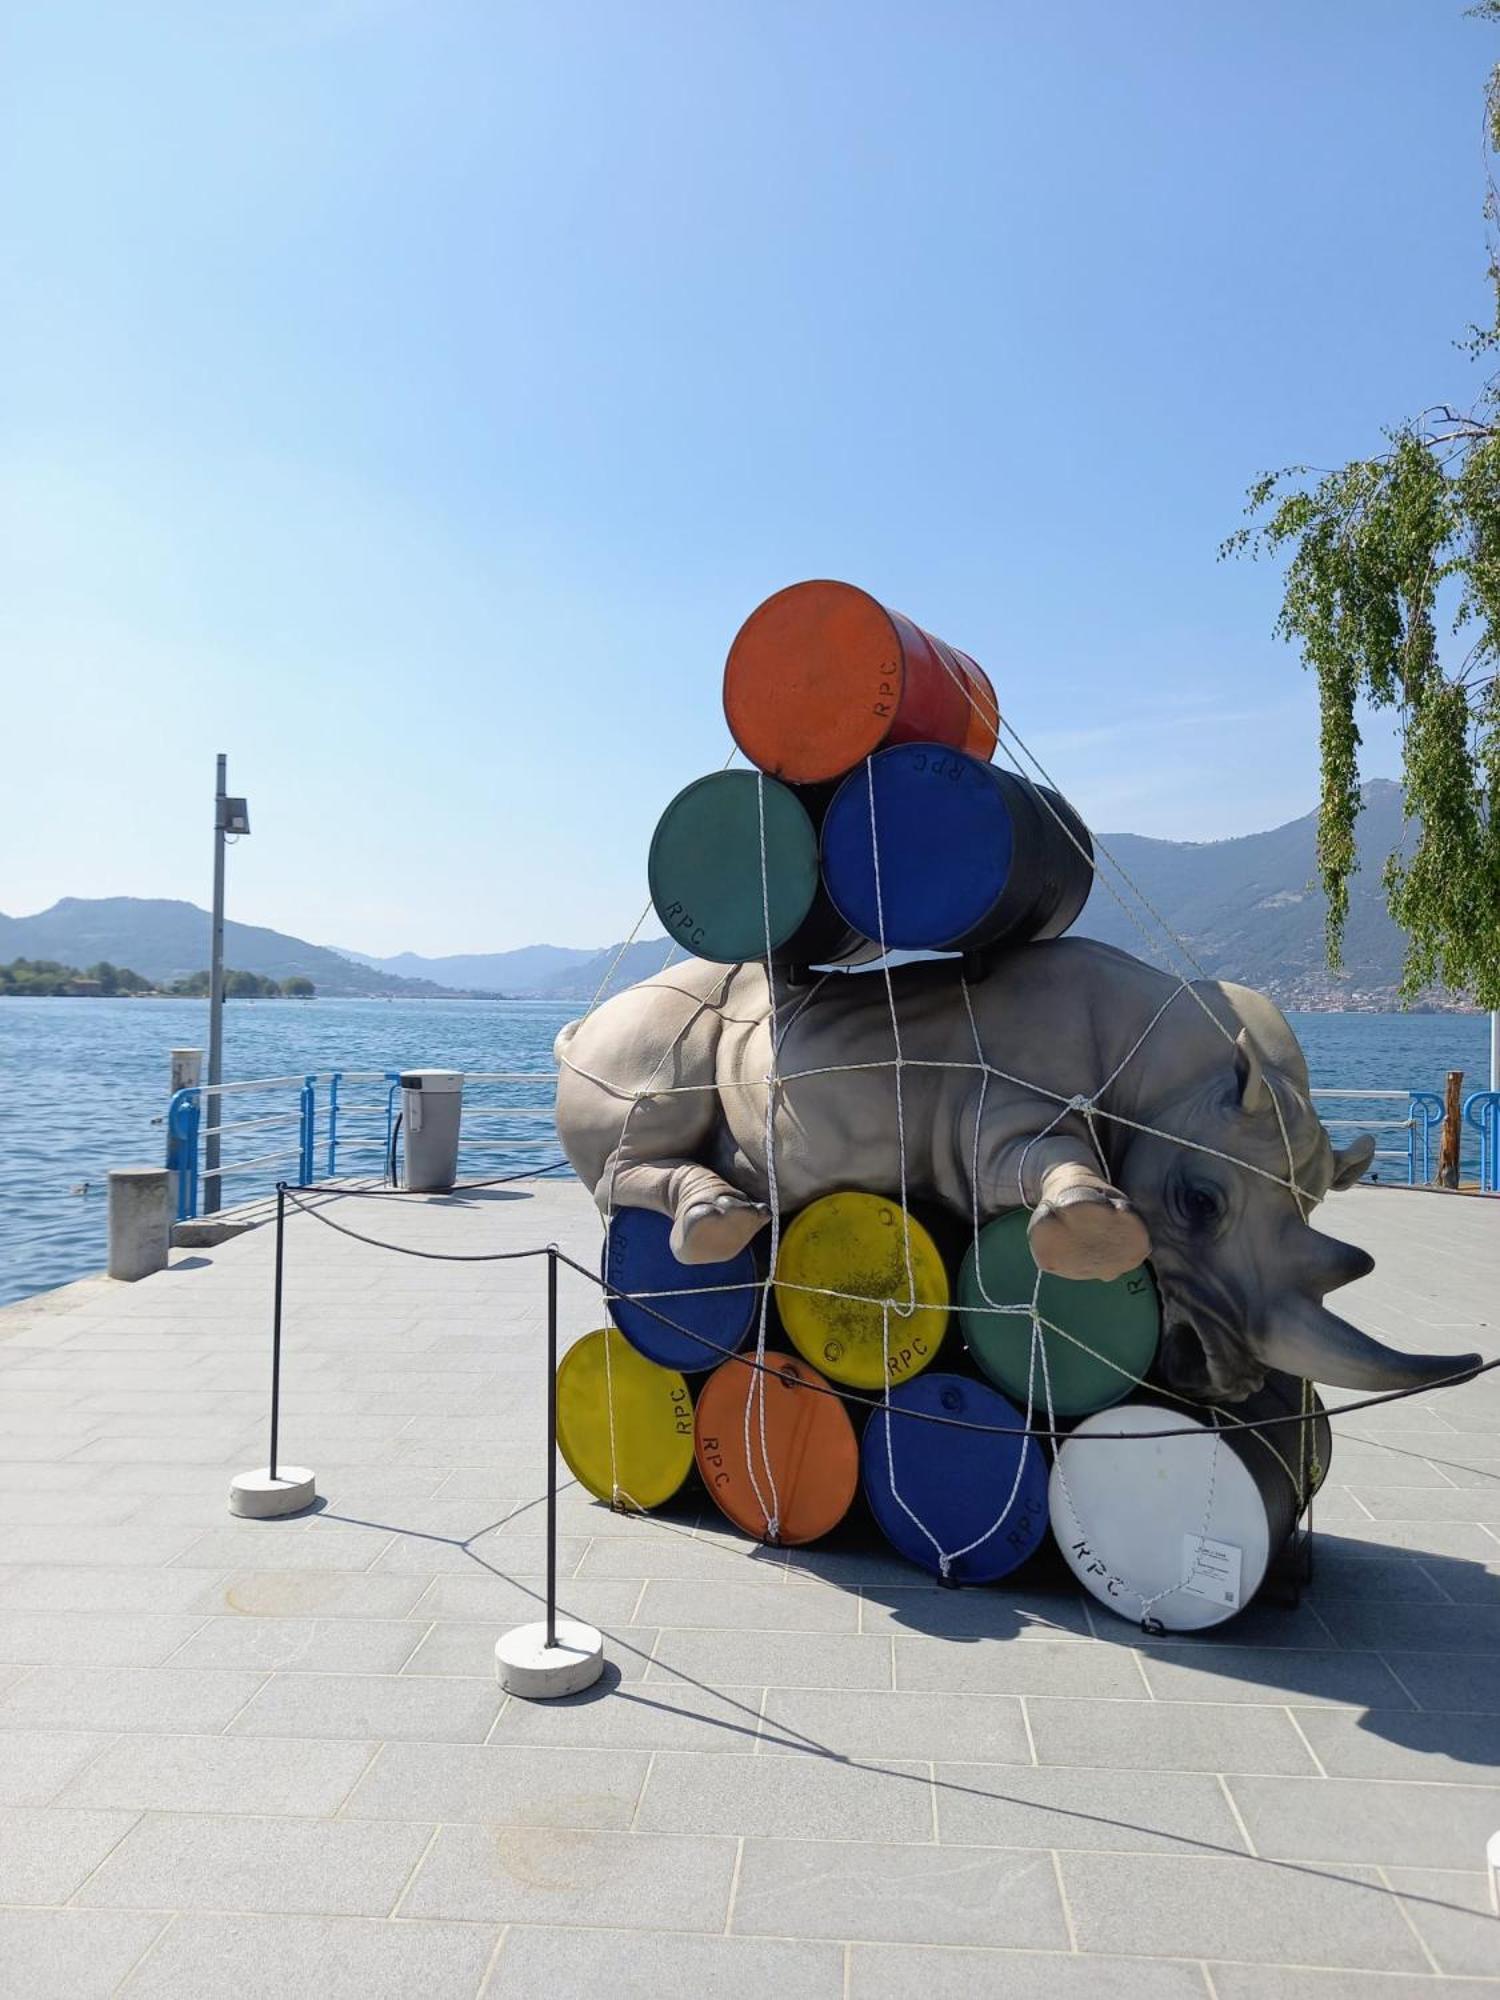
x=231 y=816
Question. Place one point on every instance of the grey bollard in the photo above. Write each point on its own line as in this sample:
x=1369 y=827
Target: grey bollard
x=431 y=1109
x=140 y=1220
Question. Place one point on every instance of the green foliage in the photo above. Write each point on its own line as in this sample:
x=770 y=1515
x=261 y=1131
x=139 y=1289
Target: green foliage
x=1381 y=556
x=298 y=988
x=45 y=978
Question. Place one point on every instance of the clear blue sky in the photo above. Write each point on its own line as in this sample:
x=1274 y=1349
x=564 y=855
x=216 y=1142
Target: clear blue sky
x=412 y=400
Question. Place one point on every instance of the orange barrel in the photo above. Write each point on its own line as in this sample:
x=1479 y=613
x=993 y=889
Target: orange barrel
x=839 y=1263
x=802 y=1453
x=984 y=708
x=821 y=675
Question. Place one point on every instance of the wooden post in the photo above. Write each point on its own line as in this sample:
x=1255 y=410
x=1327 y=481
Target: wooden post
x=1453 y=1131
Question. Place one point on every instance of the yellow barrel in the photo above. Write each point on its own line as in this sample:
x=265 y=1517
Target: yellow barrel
x=653 y=1421
x=839 y=1259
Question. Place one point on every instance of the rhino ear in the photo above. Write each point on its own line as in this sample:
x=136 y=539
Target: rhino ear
x=1350 y=1162
x=1254 y=1092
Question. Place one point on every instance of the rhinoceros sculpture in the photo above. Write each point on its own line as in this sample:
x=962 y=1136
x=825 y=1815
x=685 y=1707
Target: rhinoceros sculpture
x=1203 y=1150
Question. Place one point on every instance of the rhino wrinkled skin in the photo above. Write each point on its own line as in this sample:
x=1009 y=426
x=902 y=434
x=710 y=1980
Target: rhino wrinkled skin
x=662 y=1104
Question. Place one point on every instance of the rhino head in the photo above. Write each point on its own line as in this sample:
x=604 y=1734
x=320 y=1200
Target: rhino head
x=1243 y=1274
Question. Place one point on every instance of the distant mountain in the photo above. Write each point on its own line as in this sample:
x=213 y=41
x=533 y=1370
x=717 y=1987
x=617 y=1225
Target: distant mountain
x=1252 y=909
x=169 y=940
x=522 y=971
x=582 y=982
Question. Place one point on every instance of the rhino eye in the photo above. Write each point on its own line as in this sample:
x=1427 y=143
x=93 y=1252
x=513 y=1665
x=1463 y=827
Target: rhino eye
x=1200 y=1204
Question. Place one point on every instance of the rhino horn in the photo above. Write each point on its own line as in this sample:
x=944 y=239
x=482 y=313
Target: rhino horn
x=1324 y=1263
x=1306 y=1339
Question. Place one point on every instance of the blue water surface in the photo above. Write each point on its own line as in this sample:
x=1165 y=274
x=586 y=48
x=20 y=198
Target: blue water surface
x=83 y=1084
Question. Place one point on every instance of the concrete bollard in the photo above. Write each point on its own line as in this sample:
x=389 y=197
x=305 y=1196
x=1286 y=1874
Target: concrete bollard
x=187 y=1070
x=140 y=1220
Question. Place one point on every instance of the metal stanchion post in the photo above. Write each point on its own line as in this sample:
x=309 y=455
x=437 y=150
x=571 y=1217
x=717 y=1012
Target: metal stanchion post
x=553 y=1657
x=274 y=1490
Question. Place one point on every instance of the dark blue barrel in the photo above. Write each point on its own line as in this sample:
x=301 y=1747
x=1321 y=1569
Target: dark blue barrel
x=638 y=1259
x=970 y=855
x=955 y=1481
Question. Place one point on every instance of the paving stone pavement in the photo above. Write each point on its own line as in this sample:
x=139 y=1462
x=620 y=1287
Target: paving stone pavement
x=271 y=1758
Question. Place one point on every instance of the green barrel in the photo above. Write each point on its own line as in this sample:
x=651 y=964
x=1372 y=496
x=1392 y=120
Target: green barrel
x=1119 y=1320
x=705 y=867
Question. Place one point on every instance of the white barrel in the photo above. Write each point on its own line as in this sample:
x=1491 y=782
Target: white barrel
x=1182 y=1530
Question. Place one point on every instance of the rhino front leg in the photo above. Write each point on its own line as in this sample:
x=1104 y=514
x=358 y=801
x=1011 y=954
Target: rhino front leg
x=1080 y=1226
x=710 y=1219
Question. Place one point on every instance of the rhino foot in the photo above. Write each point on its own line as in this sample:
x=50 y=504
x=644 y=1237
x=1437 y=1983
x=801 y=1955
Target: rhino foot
x=1087 y=1231
x=709 y=1232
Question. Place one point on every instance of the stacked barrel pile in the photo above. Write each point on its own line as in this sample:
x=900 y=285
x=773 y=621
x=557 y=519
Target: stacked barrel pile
x=905 y=1349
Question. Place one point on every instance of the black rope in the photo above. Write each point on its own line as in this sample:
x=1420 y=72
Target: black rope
x=846 y=1396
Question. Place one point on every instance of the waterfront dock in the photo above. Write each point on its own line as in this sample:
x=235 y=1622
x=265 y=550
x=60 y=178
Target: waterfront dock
x=272 y=1758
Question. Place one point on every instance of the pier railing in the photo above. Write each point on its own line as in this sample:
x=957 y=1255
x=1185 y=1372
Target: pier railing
x=326 y=1123
x=342 y=1122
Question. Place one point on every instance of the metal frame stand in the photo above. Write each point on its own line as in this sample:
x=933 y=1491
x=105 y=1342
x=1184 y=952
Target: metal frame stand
x=554 y=1657
x=274 y=1490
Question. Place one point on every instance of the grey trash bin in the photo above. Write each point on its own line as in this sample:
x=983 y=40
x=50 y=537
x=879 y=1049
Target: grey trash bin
x=431 y=1106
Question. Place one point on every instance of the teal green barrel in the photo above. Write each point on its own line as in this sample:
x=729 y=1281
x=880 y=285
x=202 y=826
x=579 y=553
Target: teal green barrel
x=733 y=869
x=1098 y=1337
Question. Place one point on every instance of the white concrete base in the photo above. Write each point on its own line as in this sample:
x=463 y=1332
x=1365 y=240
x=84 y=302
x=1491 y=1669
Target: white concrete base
x=259 y=1497
x=526 y=1665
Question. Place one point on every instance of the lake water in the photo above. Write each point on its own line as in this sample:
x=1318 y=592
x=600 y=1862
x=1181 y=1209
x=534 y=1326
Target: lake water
x=85 y=1088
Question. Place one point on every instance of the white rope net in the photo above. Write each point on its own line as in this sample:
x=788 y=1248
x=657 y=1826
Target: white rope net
x=1156 y=935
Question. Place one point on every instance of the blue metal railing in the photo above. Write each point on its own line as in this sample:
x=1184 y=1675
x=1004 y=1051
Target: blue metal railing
x=1424 y=1116
x=342 y=1121
x=1481 y=1112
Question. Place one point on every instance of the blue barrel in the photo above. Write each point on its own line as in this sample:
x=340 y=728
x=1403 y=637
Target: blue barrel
x=970 y=855
x=638 y=1259
x=955 y=1481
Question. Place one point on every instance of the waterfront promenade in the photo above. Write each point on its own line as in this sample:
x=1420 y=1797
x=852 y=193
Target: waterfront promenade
x=271 y=1759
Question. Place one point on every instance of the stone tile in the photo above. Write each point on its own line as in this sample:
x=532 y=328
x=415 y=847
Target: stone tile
x=674 y=1556
x=994 y=1667
x=224 y=1774
x=1199 y=1906
x=823 y=1798
x=756 y=1607
x=1333 y=1819
x=1269 y=1982
x=1416 y=1628
x=991 y=1728
x=91 y=1638
x=297 y=1866
x=71 y=1954
x=477 y=1594
x=645 y=1965
x=972 y=1614
x=897 y=1972
x=771 y=1659
x=1272 y=1674
x=456 y=1646
x=505 y=1785
x=36 y=1763
x=120 y=1548
x=311 y=1645
x=305 y=1594
x=51 y=1509
x=1454 y=1917
x=423 y=1709
x=1260 y=1624
x=1462 y=1683
x=636 y=1881
x=1166 y=1736
x=417 y=1555
x=987 y=1805
x=293 y=1546
x=1463 y=1749
x=334 y=1958
x=161 y=1698
x=898 y=1894
x=640 y=1715
x=46 y=1855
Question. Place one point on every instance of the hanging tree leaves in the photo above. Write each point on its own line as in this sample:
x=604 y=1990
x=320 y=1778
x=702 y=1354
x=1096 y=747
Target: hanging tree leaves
x=1381 y=556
